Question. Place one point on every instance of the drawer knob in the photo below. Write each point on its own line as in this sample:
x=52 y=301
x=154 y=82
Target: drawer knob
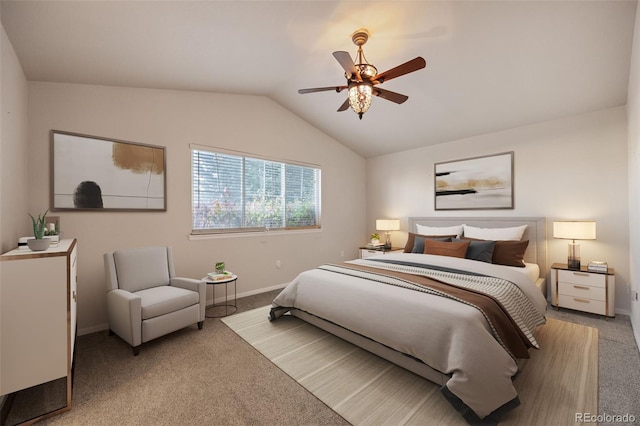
x=582 y=274
x=580 y=300
x=581 y=287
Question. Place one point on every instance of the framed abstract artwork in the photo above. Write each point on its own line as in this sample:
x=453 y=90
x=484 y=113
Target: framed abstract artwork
x=93 y=173
x=478 y=183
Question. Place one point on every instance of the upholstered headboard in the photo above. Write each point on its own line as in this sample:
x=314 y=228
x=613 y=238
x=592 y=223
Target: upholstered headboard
x=536 y=232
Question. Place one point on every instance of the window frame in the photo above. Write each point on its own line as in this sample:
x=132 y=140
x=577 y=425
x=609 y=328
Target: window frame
x=259 y=229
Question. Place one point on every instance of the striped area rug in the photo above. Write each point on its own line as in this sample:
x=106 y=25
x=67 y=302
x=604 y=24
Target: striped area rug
x=558 y=381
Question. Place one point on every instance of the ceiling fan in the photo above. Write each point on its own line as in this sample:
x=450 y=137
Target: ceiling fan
x=362 y=77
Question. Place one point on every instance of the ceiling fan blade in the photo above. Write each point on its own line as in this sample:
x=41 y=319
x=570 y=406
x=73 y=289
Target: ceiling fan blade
x=400 y=70
x=344 y=106
x=322 y=89
x=347 y=63
x=390 y=96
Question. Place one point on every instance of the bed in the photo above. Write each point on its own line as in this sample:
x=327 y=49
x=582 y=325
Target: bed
x=429 y=313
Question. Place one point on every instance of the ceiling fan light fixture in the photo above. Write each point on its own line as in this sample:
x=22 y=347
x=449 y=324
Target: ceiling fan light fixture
x=367 y=70
x=362 y=76
x=360 y=95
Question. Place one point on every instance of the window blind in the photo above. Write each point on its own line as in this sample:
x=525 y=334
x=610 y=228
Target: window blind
x=236 y=193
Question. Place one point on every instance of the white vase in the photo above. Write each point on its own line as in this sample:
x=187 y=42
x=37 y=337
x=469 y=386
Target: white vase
x=36 y=244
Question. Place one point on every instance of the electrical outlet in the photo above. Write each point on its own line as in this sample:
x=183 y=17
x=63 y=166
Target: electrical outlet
x=278 y=264
x=634 y=295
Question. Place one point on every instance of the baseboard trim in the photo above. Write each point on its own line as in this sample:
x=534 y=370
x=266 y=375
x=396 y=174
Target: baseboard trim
x=623 y=312
x=105 y=326
x=94 y=329
x=636 y=331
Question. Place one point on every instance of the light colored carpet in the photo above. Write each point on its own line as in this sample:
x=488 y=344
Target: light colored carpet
x=558 y=381
x=189 y=377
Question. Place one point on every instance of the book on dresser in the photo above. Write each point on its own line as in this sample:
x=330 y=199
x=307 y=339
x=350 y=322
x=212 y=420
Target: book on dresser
x=597 y=266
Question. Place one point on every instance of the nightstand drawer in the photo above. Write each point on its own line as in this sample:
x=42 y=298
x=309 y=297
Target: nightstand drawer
x=364 y=253
x=582 y=278
x=582 y=304
x=582 y=291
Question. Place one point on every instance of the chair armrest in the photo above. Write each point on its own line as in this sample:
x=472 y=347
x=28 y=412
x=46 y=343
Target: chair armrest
x=198 y=286
x=187 y=283
x=125 y=315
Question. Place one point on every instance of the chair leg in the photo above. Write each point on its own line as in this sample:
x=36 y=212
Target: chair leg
x=200 y=324
x=136 y=350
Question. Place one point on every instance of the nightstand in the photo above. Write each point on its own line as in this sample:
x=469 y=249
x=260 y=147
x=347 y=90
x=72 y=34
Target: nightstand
x=593 y=292
x=368 y=252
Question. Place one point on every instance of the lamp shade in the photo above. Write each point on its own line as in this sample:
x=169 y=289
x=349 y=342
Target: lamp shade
x=388 y=224
x=575 y=230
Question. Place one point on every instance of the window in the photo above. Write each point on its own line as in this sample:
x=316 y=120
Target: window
x=236 y=193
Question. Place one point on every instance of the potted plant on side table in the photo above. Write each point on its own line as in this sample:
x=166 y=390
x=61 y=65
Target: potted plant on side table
x=39 y=243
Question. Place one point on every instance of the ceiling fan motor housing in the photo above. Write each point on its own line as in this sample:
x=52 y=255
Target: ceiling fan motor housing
x=360 y=37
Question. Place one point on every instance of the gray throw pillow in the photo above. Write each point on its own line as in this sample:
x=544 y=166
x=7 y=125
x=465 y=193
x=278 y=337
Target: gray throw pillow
x=479 y=250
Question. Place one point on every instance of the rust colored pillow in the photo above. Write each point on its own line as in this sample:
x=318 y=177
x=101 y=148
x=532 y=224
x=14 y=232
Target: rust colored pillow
x=446 y=249
x=510 y=253
x=411 y=240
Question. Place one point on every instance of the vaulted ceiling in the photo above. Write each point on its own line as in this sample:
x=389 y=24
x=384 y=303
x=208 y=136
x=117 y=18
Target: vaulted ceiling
x=491 y=65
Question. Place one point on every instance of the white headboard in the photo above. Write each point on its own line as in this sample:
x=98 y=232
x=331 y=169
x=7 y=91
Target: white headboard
x=536 y=232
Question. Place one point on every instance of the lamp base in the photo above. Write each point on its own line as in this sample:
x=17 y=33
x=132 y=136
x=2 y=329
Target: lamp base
x=573 y=263
x=387 y=242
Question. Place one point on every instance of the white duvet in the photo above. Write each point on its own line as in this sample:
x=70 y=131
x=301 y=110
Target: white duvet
x=449 y=336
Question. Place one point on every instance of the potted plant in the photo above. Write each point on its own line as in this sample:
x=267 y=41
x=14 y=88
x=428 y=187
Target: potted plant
x=39 y=243
x=375 y=238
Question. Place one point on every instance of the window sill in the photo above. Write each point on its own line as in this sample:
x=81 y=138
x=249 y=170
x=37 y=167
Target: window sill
x=261 y=234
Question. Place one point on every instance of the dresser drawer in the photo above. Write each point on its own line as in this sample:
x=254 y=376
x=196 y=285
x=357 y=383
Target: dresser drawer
x=582 y=291
x=582 y=278
x=582 y=304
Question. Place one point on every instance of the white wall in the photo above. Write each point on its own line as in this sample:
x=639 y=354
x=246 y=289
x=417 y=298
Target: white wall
x=14 y=173
x=13 y=150
x=633 y=114
x=574 y=168
x=174 y=119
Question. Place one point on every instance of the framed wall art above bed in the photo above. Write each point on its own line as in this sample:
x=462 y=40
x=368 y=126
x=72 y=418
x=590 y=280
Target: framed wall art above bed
x=478 y=183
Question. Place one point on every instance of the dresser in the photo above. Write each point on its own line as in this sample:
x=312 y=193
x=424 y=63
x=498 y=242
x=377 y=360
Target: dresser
x=38 y=317
x=583 y=290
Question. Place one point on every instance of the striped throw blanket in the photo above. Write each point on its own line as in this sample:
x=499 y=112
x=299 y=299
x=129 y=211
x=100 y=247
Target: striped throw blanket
x=508 y=311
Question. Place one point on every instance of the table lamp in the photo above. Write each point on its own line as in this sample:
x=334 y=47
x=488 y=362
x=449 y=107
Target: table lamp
x=387 y=225
x=574 y=230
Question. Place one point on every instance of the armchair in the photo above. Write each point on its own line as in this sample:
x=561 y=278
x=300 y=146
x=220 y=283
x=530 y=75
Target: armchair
x=145 y=299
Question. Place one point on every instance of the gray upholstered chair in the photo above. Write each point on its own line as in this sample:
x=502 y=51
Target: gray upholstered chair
x=145 y=299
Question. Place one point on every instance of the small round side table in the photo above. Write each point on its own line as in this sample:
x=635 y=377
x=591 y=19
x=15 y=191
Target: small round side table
x=227 y=303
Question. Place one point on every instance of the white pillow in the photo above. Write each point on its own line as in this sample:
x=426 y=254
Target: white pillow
x=495 y=234
x=439 y=230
